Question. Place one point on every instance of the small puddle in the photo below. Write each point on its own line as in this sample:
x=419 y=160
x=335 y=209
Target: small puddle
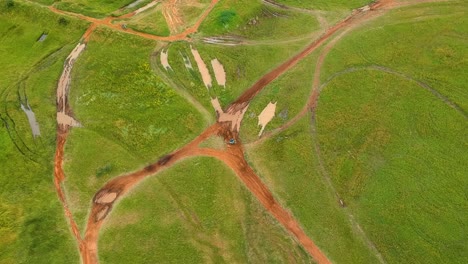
x=42 y=37
x=220 y=74
x=164 y=60
x=187 y=62
x=32 y=120
x=132 y=5
x=202 y=68
x=266 y=116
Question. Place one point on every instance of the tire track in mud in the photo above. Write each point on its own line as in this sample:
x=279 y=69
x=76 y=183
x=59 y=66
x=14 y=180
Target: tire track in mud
x=108 y=22
x=233 y=157
x=65 y=118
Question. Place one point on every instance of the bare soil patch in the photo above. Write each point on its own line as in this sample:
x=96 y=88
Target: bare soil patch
x=206 y=77
x=220 y=74
x=266 y=116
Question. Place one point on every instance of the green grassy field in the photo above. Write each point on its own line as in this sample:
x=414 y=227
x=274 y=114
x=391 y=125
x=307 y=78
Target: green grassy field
x=288 y=166
x=290 y=91
x=91 y=8
x=394 y=150
x=180 y=216
x=32 y=226
x=257 y=21
x=151 y=21
x=129 y=116
x=324 y=4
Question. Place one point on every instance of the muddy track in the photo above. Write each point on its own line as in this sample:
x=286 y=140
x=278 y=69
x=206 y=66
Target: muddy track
x=233 y=156
x=108 y=22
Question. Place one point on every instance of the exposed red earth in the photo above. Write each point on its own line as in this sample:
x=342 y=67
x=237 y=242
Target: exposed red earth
x=233 y=156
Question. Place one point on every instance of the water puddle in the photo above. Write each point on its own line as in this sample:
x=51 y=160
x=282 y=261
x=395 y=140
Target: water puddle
x=206 y=77
x=220 y=74
x=187 y=62
x=132 y=5
x=164 y=60
x=266 y=116
x=42 y=37
x=32 y=120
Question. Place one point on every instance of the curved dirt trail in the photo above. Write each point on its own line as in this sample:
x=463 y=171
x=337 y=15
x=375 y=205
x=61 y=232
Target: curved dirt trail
x=233 y=156
x=107 y=22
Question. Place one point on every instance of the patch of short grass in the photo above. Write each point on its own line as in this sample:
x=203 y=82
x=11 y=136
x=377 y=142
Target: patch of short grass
x=324 y=4
x=151 y=21
x=33 y=228
x=288 y=165
x=395 y=152
x=421 y=41
x=180 y=216
x=129 y=116
x=91 y=8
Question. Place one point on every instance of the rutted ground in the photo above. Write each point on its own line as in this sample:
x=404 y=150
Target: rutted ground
x=226 y=127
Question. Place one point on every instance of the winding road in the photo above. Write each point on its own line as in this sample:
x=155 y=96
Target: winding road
x=233 y=155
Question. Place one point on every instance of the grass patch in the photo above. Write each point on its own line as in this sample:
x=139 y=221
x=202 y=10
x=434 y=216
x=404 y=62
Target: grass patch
x=130 y=116
x=98 y=9
x=151 y=21
x=324 y=4
x=438 y=49
x=395 y=153
x=289 y=167
x=258 y=22
x=188 y=205
x=32 y=225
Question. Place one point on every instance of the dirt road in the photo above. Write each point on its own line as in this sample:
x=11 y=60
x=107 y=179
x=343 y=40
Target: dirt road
x=233 y=156
x=108 y=22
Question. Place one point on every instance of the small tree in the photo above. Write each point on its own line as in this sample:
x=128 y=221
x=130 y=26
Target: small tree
x=10 y=3
x=63 y=21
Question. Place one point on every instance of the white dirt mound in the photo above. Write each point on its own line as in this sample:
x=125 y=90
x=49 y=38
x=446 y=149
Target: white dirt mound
x=265 y=116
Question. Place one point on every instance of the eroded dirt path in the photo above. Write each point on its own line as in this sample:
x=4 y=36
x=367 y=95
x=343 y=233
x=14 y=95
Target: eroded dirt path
x=233 y=156
x=108 y=22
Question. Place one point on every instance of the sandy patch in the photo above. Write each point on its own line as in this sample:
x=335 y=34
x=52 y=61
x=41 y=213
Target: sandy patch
x=233 y=114
x=164 y=60
x=65 y=78
x=220 y=74
x=206 y=77
x=265 y=116
x=102 y=214
x=107 y=197
x=64 y=119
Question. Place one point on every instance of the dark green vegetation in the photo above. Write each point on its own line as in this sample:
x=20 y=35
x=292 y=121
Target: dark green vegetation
x=256 y=21
x=394 y=150
x=195 y=212
x=32 y=225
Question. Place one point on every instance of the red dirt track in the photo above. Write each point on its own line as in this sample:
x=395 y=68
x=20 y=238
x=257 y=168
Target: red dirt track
x=233 y=156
